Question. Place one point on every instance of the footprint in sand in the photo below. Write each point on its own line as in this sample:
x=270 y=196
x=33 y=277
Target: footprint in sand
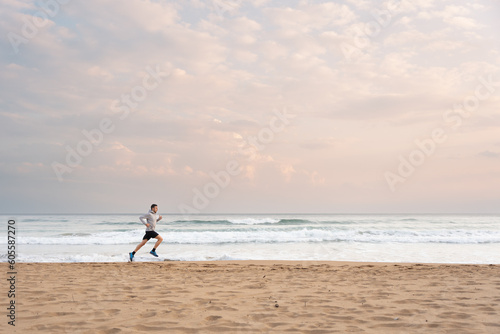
x=112 y=312
x=148 y=314
x=109 y=331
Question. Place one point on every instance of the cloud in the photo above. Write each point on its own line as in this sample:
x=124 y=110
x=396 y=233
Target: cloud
x=318 y=143
x=489 y=154
x=309 y=18
x=462 y=22
x=226 y=75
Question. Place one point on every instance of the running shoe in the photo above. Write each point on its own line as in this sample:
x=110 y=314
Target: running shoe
x=131 y=257
x=153 y=253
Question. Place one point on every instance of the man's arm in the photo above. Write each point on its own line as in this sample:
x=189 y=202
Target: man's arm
x=144 y=219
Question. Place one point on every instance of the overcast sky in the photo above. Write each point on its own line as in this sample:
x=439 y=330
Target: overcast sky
x=232 y=106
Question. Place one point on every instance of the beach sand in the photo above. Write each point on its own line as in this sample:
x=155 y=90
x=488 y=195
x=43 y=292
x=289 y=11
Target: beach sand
x=256 y=297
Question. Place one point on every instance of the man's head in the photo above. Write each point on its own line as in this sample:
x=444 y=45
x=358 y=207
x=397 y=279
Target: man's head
x=154 y=208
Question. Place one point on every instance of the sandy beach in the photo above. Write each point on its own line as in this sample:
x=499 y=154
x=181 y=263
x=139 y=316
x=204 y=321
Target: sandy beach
x=256 y=297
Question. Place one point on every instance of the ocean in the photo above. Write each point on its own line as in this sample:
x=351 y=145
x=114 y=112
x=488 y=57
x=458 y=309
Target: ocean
x=300 y=237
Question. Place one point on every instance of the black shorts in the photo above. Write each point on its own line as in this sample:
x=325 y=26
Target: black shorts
x=149 y=235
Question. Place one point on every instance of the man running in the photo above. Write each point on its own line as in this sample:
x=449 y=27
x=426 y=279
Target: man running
x=149 y=219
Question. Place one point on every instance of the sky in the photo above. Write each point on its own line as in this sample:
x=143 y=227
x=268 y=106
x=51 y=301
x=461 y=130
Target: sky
x=233 y=106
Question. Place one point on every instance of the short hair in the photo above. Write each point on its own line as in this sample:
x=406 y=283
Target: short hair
x=153 y=205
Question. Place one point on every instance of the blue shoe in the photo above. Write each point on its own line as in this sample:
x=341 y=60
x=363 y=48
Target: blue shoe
x=131 y=257
x=153 y=253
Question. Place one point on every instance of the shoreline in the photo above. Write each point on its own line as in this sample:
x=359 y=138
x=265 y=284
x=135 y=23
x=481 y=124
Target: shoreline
x=258 y=297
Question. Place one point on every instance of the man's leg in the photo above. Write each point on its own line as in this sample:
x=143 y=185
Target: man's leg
x=139 y=246
x=159 y=239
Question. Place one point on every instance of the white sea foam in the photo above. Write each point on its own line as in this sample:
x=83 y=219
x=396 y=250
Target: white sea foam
x=253 y=221
x=276 y=236
x=103 y=238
